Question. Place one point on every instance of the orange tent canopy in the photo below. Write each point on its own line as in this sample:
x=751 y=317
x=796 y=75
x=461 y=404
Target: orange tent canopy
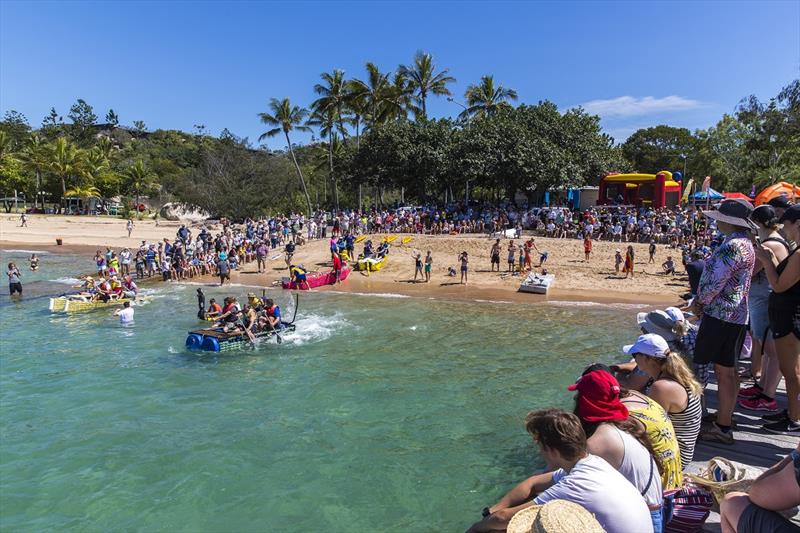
x=792 y=192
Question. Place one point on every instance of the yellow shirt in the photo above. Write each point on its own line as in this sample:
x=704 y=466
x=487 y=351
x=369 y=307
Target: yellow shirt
x=662 y=437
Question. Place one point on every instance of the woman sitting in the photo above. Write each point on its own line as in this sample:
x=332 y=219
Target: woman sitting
x=673 y=386
x=618 y=439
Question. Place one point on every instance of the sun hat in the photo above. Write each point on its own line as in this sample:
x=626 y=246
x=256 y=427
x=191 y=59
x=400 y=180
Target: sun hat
x=658 y=322
x=792 y=214
x=733 y=211
x=598 y=397
x=648 y=344
x=556 y=516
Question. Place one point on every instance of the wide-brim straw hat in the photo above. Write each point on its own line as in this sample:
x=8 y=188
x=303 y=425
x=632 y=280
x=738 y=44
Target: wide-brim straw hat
x=733 y=211
x=557 y=516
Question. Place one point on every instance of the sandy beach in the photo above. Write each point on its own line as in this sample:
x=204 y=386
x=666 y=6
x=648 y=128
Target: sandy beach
x=576 y=279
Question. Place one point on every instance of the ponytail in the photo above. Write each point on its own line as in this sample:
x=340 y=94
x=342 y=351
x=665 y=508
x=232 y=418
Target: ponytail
x=674 y=367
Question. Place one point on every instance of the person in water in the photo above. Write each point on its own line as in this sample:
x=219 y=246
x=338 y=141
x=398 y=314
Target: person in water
x=201 y=304
x=14 y=280
x=125 y=314
x=34 y=263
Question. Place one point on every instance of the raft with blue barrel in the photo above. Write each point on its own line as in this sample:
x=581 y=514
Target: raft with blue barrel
x=218 y=340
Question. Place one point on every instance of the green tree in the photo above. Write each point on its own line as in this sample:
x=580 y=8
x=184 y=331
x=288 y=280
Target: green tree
x=83 y=118
x=285 y=118
x=16 y=126
x=138 y=179
x=333 y=95
x=83 y=192
x=659 y=148
x=112 y=118
x=35 y=159
x=486 y=98
x=374 y=94
x=66 y=162
x=424 y=80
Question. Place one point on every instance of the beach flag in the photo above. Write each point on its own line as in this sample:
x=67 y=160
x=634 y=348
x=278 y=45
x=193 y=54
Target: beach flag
x=706 y=184
x=753 y=191
x=688 y=190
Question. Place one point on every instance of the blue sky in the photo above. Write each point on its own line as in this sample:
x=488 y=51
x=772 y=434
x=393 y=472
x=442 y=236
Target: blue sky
x=177 y=64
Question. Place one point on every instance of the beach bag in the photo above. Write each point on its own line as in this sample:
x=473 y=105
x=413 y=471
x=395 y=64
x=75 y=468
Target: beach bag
x=720 y=477
x=686 y=509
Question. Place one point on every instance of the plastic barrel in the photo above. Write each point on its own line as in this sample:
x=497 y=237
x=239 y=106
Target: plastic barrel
x=194 y=341
x=210 y=344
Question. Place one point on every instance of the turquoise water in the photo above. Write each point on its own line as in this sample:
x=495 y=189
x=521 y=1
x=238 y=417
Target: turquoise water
x=378 y=414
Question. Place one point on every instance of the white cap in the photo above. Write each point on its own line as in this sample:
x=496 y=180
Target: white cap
x=675 y=314
x=648 y=344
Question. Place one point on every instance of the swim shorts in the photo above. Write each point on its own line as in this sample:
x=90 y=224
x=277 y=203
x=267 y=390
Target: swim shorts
x=15 y=287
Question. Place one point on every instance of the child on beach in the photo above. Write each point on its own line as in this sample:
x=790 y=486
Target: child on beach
x=652 y=251
x=521 y=258
x=542 y=258
x=617 y=260
x=428 y=265
x=629 y=257
x=464 y=260
x=587 y=246
x=512 y=256
x=130 y=227
x=418 y=266
x=669 y=266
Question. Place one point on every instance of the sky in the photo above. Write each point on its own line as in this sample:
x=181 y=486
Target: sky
x=177 y=64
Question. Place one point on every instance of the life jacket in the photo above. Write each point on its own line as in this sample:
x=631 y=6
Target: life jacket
x=298 y=270
x=271 y=311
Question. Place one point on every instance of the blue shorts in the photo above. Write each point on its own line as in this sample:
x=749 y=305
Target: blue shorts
x=300 y=277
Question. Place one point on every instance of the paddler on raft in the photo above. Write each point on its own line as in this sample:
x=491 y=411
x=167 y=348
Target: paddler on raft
x=214 y=309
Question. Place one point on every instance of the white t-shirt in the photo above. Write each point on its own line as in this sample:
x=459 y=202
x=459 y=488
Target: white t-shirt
x=604 y=492
x=126 y=315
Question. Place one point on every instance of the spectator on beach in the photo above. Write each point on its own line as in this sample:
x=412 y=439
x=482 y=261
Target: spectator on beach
x=784 y=320
x=129 y=226
x=668 y=266
x=780 y=204
x=722 y=302
x=428 y=266
x=577 y=476
x=463 y=258
x=694 y=270
x=495 y=255
x=617 y=260
x=587 y=246
x=512 y=249
x=418 y=266
x=758 y=510
x=629 y=261
x=764 y=367
x=652 y=251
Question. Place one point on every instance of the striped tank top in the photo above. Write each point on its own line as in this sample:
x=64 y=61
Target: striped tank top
x=687 y=427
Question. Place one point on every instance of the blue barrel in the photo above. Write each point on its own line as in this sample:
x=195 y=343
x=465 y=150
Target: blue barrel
x=194 y=341
x=210 y=344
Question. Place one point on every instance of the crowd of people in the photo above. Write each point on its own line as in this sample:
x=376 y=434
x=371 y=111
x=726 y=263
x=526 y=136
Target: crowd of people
x=622 y=452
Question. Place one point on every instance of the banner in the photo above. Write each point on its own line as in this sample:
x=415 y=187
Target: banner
x=706 y=184
x=688 y=190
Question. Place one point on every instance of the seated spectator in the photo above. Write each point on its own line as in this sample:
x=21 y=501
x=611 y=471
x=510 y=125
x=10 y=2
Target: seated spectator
x=776 y=490
x=668 y=266
x=579 y=477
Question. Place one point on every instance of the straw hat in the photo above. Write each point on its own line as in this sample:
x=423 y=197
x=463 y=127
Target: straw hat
x=557 y=516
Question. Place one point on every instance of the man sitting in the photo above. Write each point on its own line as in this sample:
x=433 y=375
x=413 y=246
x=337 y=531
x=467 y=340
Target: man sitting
x=777 y=489
x=578 y=476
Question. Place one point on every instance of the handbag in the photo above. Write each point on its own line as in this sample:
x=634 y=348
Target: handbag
x=720 y=477
x=686 y=509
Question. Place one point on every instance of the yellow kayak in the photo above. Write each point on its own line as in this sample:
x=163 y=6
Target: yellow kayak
x=406 y=240
x=371 y=264
x=390 y=239
x=360 y=238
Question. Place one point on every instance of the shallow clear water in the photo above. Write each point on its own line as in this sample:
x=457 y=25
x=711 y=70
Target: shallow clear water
x=378 y=414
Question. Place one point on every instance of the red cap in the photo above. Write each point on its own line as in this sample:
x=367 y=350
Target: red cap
x=598 y=397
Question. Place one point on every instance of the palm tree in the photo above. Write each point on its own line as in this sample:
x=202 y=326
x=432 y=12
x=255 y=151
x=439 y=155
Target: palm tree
x=373 y=93
x=65 y=160
x=83 y=192
x=34 y=158
x=424 y=80
x=326 y=119
x=138 y=178
x=333 y=95
x=355 y=104
x=286 y=117
x=399 y=100
x=95 y=164
x=486 y=98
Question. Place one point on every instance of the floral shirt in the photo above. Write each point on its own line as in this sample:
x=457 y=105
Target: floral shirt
x=725 y=281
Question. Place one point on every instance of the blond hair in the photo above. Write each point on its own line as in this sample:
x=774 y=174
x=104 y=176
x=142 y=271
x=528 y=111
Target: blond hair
x=674 y=367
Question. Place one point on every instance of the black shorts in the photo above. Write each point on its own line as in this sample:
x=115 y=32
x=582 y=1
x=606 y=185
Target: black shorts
x=719 y=342
x=15 y=287
x=784 y=318
x=755 y=519
x=496 y=259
